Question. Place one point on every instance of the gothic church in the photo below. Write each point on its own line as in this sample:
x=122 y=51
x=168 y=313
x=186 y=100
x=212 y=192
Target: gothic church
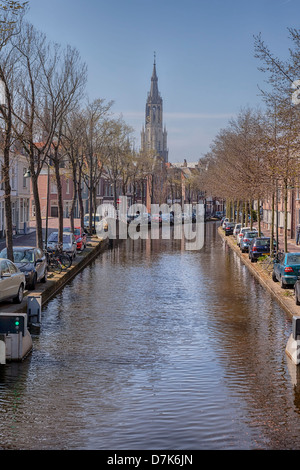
x=153 y=136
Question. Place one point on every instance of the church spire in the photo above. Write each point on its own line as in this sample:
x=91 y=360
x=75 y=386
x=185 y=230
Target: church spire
x=154 y=87
x=153 y=137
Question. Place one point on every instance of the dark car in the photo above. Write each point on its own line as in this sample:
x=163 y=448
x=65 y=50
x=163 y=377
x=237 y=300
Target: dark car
x=31 y=261
x=286 y=269
x=229 y=226
x=260 y=246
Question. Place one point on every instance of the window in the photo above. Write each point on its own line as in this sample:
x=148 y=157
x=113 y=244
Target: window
x=12 y=268
x=53 y=187
x=4 y=268
x=13 y=177
x=21 y=210
x=2 y=179
x=25 y=179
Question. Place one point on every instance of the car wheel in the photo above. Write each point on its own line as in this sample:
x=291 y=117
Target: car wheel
x=252 y=259
x=33 y=284
x=282 y=284
x=18 y=299
x=296 y=298
x=274 y=278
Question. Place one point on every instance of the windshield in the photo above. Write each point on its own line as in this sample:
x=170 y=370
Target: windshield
x=20 y=255
x=87 y=218
x=53 y=237
x=262 y=242
x=76 y=230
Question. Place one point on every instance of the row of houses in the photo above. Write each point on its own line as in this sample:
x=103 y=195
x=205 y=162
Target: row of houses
x=20 y=195
x=292 y=214
x=23 y=208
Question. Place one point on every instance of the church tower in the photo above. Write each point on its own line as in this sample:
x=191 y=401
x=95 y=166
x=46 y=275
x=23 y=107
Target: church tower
x=153 y=136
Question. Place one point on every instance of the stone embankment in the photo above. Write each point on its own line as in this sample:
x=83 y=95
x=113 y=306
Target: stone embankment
x=56 y=282
x=263 y=273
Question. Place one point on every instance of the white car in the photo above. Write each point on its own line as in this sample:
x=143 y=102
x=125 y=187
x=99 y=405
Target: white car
x=69 y=243
x=225 y=222
x=241 y=234
x=237 y=229
x=12 y=281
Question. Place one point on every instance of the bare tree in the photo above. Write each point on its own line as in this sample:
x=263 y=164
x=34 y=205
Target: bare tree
x=118 y=152
x=33 y=122
x=66 y=91
x=10 y=27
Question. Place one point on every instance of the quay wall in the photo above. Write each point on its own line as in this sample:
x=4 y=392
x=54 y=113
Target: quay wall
x=284 y=297
x=56 y=282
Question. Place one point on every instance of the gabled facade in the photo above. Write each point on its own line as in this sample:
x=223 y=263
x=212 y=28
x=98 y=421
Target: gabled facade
x=20 y=195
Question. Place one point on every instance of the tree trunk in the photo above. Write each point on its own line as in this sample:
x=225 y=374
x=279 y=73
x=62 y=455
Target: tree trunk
x=74 y=195
x=81 y=208
x=38 y=216
x=272 y=226
x=258 y=217
x=59 y=200
x=285 y=217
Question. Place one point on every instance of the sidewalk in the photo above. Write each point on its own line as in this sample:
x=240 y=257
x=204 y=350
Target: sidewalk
x=291 y=242
x=30 y=238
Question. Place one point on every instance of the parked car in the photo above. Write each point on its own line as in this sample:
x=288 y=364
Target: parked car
x=241 y=234
x=12 y=281
x=30 y=261
x=229 y=228
x=95 y=221
x=246 y=240
x=146 y=218
x=260 y=246
x=286 y=269
x=69 y=243
x=297 y=291
x=80 y=237
x=156 y=218
x=237 y=229
x=167 y=219
x=224 y=222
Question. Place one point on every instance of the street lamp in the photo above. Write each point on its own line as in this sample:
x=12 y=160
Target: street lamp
x=28 y=175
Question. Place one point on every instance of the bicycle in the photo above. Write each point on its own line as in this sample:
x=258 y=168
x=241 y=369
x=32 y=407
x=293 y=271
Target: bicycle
x=53 y=263
x=65 y=259
x=267 y=263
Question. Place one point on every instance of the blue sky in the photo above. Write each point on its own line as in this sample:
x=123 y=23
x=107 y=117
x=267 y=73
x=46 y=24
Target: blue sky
x=204 y=57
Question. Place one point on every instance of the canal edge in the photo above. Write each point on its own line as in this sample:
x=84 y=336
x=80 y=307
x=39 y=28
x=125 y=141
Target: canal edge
x=58 y=281
x=287 y=303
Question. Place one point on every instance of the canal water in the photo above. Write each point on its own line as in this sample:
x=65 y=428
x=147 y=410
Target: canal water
x=156 y=347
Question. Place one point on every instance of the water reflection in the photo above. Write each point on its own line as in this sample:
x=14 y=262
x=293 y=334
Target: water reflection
x=156 y=347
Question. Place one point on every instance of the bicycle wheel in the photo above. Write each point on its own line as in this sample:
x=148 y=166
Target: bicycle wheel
x=55 y=266
x=65 y=260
